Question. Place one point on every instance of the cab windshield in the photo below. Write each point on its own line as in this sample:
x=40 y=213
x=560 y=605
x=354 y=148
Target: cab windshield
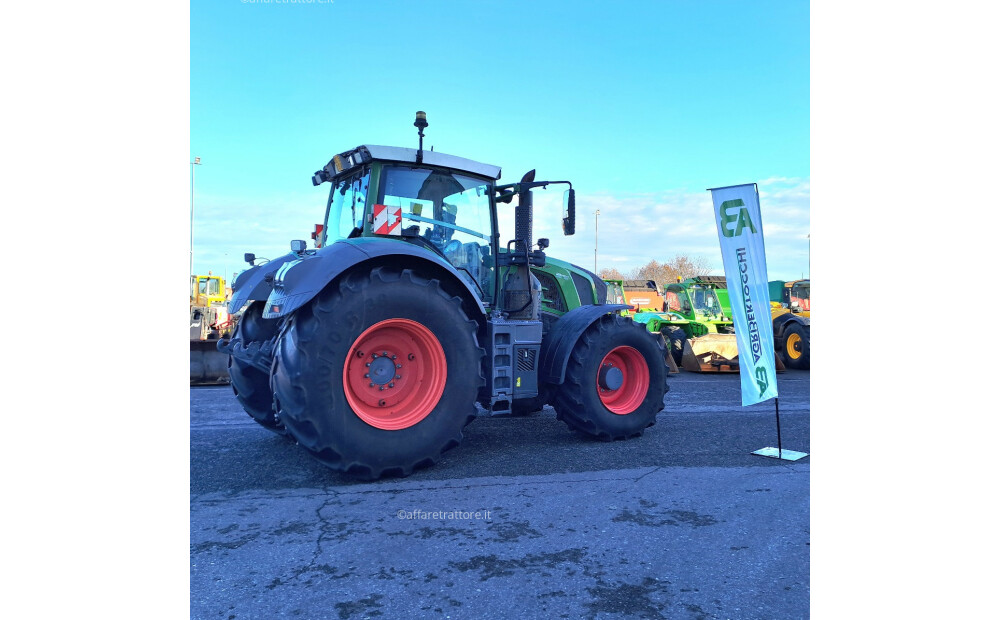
x=445 y=211
x=345 y=210
x=705 y=301
x=799 y=295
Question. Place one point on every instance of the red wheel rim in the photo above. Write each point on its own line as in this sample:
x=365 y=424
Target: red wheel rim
x=395 y=374
x=626 y=398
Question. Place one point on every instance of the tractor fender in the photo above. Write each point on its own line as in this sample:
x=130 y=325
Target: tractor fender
x=560 y=340
x=782 y=321
x=299 y=280
x=255 y=283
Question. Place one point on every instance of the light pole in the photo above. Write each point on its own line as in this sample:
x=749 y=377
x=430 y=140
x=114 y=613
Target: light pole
x=809 y=250
x=596 y=213
x=196 y=162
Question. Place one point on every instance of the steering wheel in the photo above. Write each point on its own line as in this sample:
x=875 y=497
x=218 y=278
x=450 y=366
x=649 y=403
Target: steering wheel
x=452 y=246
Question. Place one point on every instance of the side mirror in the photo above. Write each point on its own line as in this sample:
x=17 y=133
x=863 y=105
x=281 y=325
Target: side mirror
x=543 y=243
x=569 y=212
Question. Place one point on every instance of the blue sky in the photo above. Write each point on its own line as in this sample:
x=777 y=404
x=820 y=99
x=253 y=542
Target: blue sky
x=641 y=105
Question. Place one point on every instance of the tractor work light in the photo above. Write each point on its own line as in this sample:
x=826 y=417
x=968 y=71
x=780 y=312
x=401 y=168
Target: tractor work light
x=342 y=163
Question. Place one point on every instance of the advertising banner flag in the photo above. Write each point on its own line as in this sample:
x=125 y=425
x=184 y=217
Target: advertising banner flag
x=741 y=235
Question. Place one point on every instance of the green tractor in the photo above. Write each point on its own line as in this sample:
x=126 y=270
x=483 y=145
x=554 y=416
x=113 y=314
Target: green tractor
x=372 y=349
x=693 y=313
x=616 y=291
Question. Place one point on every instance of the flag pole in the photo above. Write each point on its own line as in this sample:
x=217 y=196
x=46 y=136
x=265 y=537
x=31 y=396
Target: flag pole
x=777 y=420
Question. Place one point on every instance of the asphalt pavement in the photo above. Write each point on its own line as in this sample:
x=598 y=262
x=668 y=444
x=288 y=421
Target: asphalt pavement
x=524 y=519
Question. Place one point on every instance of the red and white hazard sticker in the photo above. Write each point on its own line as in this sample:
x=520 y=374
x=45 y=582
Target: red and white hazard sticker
x=387 y=220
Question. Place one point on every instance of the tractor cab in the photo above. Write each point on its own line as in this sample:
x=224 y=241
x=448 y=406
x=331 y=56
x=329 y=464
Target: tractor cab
x=797 y=296
x=207 y=290
x=443 y=204
x=696 y=299
x=616 y=291
x=446 y=205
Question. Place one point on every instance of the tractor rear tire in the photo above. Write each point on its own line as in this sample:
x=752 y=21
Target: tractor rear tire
x=378 y=375
x=795 y=347
x=251 y=385
x=615 y=380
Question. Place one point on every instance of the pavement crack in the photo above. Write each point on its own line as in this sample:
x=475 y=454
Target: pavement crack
x=655 y=469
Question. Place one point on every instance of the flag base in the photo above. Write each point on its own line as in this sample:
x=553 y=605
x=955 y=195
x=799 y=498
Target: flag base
x=786 y=455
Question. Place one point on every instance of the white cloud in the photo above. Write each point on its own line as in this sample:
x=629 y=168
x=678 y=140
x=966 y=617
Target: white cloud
x=636 y=228
x=225 y=229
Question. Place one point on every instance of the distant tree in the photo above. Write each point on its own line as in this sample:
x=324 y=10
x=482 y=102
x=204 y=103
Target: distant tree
x=653 y=270
x=681 y=266
x=686 y=266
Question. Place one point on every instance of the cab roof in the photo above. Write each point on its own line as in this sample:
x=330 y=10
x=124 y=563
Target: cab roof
x=432 y=158
x=348 y=161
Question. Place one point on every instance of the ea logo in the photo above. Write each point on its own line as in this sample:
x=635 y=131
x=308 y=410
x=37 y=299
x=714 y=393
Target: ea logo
x=761 y=379
x=741 y=217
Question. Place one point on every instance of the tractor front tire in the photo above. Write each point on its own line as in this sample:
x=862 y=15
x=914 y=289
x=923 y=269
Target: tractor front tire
x=378 y=375
x=615 y=380
x=795 y=347
x=251 y=386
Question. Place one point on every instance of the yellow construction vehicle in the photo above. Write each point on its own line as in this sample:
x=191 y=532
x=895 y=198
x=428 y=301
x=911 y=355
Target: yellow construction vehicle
x=210 y=321
x=790 y=318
